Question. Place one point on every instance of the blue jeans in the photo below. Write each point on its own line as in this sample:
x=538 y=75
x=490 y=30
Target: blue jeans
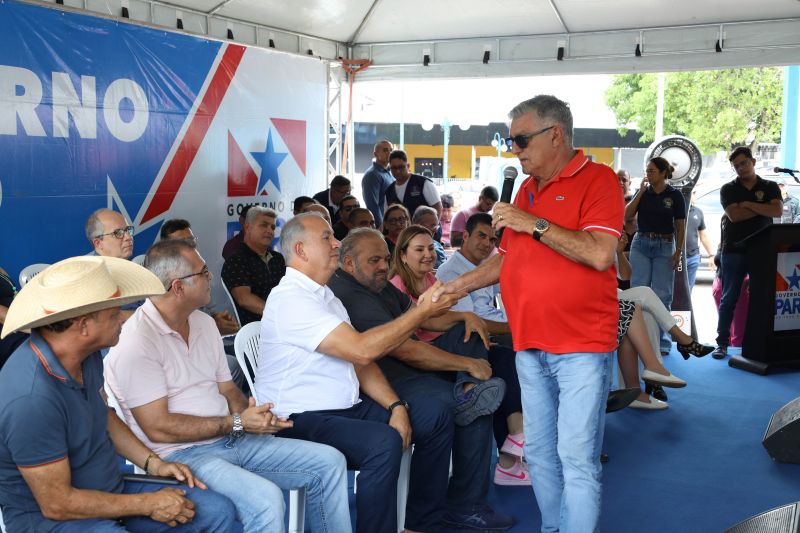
x=213 y=513
x=253 y=469
x=733 y=269
x=472 y=445
x=504 y=365
x=452 y=341
x=651 y=261
x=692 y=264
x=564 y=401
x=370 y=445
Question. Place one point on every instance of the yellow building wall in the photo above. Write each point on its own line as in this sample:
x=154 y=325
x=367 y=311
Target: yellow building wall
x=459 y=156
x=600 y=155
x=458 y=159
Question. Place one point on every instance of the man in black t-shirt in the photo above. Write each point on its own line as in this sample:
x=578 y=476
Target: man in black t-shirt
x=750 y=203
x=254 y=269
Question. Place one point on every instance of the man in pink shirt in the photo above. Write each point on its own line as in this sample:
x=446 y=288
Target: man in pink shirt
x=486 y=201
x=171 y=378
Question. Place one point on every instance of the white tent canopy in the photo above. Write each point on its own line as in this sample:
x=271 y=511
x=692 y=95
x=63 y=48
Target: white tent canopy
x=516 y=38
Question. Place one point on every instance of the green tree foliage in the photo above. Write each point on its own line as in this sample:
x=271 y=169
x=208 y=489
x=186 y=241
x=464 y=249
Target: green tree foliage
x=717 y=109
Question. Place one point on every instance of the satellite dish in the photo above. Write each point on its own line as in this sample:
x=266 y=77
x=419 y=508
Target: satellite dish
x=683 y=155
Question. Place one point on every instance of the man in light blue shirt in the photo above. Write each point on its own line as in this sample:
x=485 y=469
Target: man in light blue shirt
x=377 y=179
x=479 y=243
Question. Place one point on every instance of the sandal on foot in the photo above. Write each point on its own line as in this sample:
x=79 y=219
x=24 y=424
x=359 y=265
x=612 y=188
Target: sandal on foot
x=694 y=348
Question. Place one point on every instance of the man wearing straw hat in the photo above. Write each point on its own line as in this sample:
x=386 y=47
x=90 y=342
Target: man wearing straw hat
x=58 y=439
x=170 y=376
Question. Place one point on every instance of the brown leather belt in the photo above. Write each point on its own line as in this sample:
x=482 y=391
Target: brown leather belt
x=663 y=236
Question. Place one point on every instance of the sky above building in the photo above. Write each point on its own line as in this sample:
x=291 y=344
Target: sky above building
x=477 y=101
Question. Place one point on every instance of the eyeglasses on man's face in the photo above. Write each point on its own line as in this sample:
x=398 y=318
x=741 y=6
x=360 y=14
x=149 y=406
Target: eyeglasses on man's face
x=204 y=272
x=523 y=139
x=119 y=233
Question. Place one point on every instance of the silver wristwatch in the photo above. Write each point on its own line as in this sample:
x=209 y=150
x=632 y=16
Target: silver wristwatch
x=238 y=427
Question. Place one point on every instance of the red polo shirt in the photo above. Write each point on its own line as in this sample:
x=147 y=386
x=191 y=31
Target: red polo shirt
x=553 y=303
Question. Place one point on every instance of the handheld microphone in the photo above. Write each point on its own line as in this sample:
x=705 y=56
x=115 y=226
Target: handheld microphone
x=509 y=176
x=776 y=170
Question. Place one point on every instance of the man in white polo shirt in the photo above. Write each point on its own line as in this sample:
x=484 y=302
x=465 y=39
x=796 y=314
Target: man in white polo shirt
x=312 y=364
x=170 y=376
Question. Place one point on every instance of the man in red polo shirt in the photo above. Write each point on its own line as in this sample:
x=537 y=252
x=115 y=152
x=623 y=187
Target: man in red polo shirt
x=559 y=287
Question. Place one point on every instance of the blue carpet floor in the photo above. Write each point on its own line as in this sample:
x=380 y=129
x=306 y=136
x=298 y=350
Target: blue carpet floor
x=698 y=466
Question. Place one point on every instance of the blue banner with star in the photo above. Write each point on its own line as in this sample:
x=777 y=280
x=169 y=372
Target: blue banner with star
x=102 y=113
x=787 y=292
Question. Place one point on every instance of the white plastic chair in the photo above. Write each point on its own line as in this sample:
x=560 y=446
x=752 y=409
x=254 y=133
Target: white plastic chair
x=139 y=259
x=403 y=479
x=30 y=271
x=231 y=300
x=245 y=345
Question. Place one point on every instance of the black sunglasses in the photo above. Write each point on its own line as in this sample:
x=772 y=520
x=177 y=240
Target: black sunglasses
x=522 y=139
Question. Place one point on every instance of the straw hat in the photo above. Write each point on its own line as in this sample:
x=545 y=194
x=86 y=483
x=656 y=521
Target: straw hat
x=78 y=286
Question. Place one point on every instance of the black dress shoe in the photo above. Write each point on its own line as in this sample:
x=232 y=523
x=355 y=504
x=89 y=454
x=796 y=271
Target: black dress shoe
x=621 y=398
x=658 y=393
